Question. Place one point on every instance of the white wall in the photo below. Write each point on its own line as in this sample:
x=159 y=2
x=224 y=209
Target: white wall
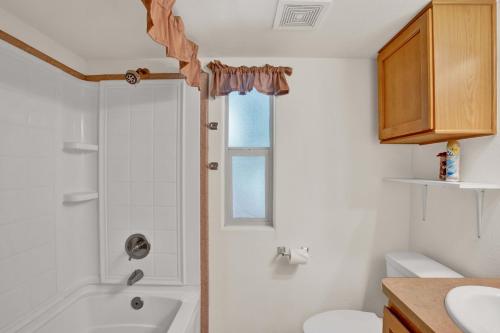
x=449 y=234
x=47 y=248
x=34 y=38
x=329 y=196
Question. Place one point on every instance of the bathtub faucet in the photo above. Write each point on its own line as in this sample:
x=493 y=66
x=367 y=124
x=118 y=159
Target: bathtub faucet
x=135 y=277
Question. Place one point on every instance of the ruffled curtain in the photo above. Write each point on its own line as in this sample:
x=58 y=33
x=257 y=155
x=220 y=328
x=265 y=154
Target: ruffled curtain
x=267 y=79
x=168 y=30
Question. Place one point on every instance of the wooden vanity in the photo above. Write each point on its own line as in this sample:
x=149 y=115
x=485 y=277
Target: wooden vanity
x=416 y=305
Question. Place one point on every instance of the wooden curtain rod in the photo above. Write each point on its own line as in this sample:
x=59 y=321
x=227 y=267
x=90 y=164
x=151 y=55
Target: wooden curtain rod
x=73 y=72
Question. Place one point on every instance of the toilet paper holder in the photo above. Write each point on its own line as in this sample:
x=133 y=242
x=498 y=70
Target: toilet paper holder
x=285 y=252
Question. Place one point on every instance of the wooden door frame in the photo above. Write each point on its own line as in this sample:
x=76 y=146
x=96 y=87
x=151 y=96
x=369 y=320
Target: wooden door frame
x=204 y=264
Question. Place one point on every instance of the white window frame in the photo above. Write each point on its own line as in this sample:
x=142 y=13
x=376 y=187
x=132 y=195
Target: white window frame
x=268 y=153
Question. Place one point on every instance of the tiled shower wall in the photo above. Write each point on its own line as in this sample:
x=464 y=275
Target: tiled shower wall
x=41 y=238
x=142 y=151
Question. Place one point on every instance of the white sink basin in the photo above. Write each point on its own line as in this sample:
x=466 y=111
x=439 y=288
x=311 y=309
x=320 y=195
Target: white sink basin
x=475 y=309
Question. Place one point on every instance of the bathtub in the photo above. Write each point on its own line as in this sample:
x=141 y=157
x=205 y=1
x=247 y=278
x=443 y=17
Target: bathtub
x=107 y=309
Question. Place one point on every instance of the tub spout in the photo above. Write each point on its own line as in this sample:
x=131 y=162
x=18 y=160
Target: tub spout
x=135 y=277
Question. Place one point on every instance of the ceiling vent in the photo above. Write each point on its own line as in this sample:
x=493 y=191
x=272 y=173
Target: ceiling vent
x=300 y=15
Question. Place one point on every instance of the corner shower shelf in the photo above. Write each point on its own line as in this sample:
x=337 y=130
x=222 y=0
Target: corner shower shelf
x=478 y=188
x=80 y=197
x=80 y=146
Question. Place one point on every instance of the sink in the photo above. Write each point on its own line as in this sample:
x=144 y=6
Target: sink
x=475 y=309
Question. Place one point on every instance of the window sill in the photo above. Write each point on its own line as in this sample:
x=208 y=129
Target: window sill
x=248 y=228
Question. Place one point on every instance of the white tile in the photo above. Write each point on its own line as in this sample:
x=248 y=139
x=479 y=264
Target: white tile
x=141 y=217
x=117 y=99
x=40 y=230
x=119 y=193
x=15 y=271
x=165 y=125
x=165 y=241
x=118 y=146
x=40 y=171
x=165 y=218
x=141 y=193
x=120 y=265
x=141 y=131
x=140 y=100
x=118 y=122
x=165 y=194
x=166 y=265
x=141 y=167
x=13 y=304
x=10 y=134
x=41 y=143
x=12 y=205
x=12 y=108
x=118 y=169
x=13 y=172
x=43 y=287
x=14 y=72
x=165 y=169
x=15 y=238
x=166 y=147
x=43 y=82
x=43 y=113
x=116 y=241
x=39 y=201
x=118 y=217
x=43 y=259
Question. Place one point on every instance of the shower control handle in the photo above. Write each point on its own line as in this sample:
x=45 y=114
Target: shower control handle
x=137 y=246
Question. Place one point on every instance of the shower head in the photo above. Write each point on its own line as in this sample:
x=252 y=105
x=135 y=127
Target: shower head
x=134 y=77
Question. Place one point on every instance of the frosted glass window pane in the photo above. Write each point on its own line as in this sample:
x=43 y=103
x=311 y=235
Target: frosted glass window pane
x=249 y=120
x=249 y=187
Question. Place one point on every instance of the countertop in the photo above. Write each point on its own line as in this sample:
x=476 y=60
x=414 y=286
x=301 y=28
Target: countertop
x=421 y=300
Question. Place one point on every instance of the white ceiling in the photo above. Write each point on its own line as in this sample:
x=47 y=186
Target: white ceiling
x=115 y=29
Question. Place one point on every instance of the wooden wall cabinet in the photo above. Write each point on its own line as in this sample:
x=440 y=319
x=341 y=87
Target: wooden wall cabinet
x=437 y=76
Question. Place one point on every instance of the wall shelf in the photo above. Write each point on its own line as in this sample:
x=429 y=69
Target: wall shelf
x=478 y=188
x=80 y=146
x=76 y=197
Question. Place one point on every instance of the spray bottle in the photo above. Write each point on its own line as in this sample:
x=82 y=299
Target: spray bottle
x=453 y=161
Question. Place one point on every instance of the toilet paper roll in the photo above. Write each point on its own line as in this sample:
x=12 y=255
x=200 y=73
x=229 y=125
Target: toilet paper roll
x=298 y=257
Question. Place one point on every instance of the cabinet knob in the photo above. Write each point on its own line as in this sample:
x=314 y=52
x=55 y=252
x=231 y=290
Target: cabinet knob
x=213 y=166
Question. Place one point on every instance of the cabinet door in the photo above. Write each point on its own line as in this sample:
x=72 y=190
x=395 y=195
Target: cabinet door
x=405 y=81
x=392 y=324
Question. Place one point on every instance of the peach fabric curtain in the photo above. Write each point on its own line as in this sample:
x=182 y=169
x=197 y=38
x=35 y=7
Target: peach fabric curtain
x=267 y=79
x=168 y=30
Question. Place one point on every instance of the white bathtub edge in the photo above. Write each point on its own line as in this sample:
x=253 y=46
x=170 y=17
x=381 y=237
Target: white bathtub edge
x=188 y=295
x=31 y=316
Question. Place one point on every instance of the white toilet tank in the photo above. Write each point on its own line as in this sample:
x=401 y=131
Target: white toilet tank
x=411 y=264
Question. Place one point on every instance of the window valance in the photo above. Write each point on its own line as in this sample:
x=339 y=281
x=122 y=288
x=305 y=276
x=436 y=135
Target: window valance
x=269 y=80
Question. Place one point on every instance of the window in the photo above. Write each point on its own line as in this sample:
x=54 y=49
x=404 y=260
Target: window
x=249 y=159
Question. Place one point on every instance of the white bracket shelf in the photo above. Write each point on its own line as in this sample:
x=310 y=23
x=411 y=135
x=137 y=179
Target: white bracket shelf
x=80 y=147
x=478 y=188
x=76 y=197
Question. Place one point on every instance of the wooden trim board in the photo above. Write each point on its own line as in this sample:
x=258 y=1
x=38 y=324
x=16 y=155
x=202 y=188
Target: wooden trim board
x=40 y=55
x=204 y=240
x=73 y=72
x=204 y=264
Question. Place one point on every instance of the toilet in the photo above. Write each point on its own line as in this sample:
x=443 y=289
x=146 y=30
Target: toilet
x=398 y=264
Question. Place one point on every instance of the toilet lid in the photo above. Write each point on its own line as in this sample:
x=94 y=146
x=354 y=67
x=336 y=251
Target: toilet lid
x=341 y=321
